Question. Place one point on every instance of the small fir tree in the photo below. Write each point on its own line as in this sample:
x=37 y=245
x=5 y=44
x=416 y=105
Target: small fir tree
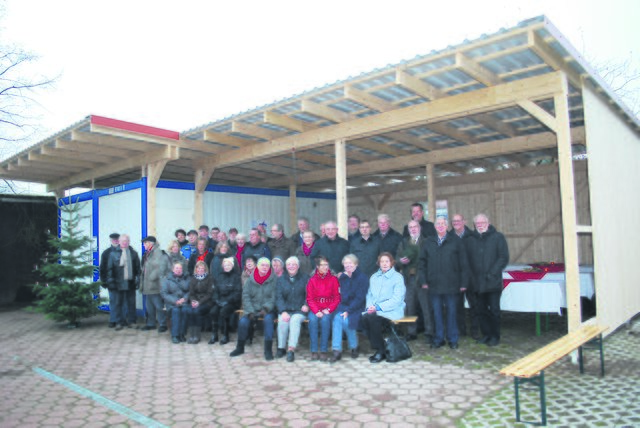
x=67 y=292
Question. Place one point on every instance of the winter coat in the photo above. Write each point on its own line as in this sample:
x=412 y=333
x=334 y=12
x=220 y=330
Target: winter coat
x=156 y=264
x=104 y=261
x=283 y=248
x=353 y=294
x=334 y=250
x=229 y=288
x=323 y=292
x=216 y=263
x=297 y=238
x=488 y=255
x=307 y=263
x=426 y=229
x=193 y=259
x=257 y=251
x=444 y=268
x=203 y=291
x=366 y=250
x=115 y=272
x=291 y=293
x=389 y=242
x=174 y=288
x=411 y=251
x=178 y=257
x=257 y=297
x=387 y=290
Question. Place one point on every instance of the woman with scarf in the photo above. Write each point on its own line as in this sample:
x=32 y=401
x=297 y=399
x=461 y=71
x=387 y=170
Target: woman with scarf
x=175 y=255
x=227 y=282
x=307 y=252
x=241 y=241
x=323 y=297
x=202 y=297
x=202 y=254
x=175 y=293
x=259 y=301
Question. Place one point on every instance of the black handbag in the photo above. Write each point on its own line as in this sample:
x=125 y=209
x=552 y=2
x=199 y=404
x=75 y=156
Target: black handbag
x=396 y=348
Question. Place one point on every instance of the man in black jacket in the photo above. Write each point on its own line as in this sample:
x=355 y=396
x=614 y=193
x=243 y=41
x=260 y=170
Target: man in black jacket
x=460 y=229
x=417 y=214
x=104 y=260
x=123 y=275
x=488 y=256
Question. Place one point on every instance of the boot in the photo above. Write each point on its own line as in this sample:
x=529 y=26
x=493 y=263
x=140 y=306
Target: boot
x=190 y=335
x=268 y=353
x=281 y=352
x=336 y=356
x=197 y=331
x=225 y=333
x=214 y=334
x=239 y=349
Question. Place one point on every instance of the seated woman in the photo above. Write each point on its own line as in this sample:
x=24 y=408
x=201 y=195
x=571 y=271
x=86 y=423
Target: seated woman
x=385 y=302
x=323 y=297
x=353 y=292
x=175 y=255
x=249 y=268
x=291 y=303
x=307 y=252
x=258 y=300
x=175 y=293
x=222 y=251
x=202 y=296
x=229 y=289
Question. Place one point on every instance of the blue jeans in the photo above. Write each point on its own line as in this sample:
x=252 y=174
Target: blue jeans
x=178 y=321
x=450 y=302
x=245 y=322
x=155 y=310
x=325 y=329
x=196 y=315
x=340 y=324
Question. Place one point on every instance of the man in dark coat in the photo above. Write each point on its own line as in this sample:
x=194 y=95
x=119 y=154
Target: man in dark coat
x=488 y=256
x=104 y=260
x=123 y=275
x=303 y=225
x=417 y=214
x=460 y=229
x=389 y=238
x=333 y=247
x=366 y=248
x=255 y=247
x=279 y=245
x=155 y=266
x=353 y=227
x=444 y=270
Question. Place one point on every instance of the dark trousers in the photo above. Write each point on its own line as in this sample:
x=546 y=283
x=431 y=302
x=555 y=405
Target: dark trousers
x=246 y=322
x=221 y=315
x=427 y=310
x=375 y=326
x=196 y=315
x=474 y=323
x=449 y=301
x=488 y=305
x=412 y=301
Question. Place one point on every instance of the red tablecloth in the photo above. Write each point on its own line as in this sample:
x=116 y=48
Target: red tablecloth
x=519 y=275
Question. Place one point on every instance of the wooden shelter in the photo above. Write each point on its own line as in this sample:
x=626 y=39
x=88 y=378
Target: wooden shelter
x=518 y=106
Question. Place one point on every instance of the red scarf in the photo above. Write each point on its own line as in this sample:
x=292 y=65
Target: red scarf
x=202 y=257
x=261 y=279
x=239 y=255
x=307 y=250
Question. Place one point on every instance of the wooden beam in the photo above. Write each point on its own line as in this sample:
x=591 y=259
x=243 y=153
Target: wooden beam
x=412 y=140
x=551 y=57
x=287 y=122
x=476 y=70
x=469 y=103
x=154 y=172
x=366 y=99
x=431 y=192
x=324 y=112
x=256 y=131
x=169 y=152
x=293 y=208
x=341 y=187
x=227 y=140
x=111 y=141
x=418 y=86
x=96 y=150
x=66 y=161
x=539 y=113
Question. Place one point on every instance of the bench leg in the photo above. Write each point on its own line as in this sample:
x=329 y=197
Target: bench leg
x=543 y=400
x=515 y=384
x=539 y=382
x=599 y=343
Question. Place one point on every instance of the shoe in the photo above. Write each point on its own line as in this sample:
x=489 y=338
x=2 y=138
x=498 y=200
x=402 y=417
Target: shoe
x=268 y=350
x=336 y=356
x=411 y=337
x=162 y=329
x=239 y=349
x=182 y=338
x=453 y=345
x=281 y=352
x=355 y=353
x=290 y=357
x=315 y=356
x=436 y=345
x=483 y=340
x=493 y=342
x=112 y=325
x=130 y=326
x=148 y=328
x=224 y=340
x=428 y=338
x=119 y=327
x=175 y=339
x=214 y=339
x=376 y=358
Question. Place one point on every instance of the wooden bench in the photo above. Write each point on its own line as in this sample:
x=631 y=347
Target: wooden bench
x=530 y=369
x=406 y=320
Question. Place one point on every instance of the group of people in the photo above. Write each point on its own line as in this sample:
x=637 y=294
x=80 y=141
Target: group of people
x=339 y=286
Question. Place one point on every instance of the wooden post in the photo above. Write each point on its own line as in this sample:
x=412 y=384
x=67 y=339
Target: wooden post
x=567 y=202
x=202 y=177
x=293 y=208
x=431 y=193
x=154 y=171
x=341 y=186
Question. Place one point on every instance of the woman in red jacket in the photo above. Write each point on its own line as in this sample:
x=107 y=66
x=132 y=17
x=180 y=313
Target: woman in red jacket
x=323 y=297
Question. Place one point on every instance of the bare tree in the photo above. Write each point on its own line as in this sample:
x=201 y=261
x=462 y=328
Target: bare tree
x=623 y=79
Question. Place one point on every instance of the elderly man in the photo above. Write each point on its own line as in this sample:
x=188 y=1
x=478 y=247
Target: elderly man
x=303 y=225
x=353 y=226
x=203 y=232
x=444 y=271
x=366 y=248
x=104 y=260
x=417 y=214
x=291 y=303
x=155 y=266
x=123 y=275
x=279 y=245
x=191 y=247
x=460 y=229
x=333 y=247
x=389 y=238
x=488 y=256
x=255 y=247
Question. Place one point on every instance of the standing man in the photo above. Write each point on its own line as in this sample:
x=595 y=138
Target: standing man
x=155 y=266
x=279 y=245
x=203 y=232
x=366 y=248
x=303 y=225
x=190 y=248
x=255 y=247
x=389 y=238
x=488 y=256
x=333 y=247
x=353 y=226
x=123 y=275
x=104 y=261
x=460 y=229
x=417 y=214
x=444 y=271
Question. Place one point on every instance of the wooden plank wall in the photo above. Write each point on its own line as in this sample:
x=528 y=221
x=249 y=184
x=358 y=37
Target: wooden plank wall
x=524 y=205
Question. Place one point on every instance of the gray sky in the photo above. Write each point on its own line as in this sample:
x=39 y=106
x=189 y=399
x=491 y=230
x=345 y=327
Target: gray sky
x=178 y=65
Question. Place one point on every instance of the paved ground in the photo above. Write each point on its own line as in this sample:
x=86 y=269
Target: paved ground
x=96 y=377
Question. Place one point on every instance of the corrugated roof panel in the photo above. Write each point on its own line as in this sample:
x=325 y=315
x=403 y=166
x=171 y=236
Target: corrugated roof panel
x=366 y=113
x=289 y=108
x=393 y=94
x=427 y=66
x=497 y=46
x=376 y=81
x=348 y=106
x=464 y=89
x=311 y=119
x=528 y=73
x=448 y=79
x=412 y=102
x=328 y=96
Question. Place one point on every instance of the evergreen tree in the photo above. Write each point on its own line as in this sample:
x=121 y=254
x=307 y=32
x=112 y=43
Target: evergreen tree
x=67 y=292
